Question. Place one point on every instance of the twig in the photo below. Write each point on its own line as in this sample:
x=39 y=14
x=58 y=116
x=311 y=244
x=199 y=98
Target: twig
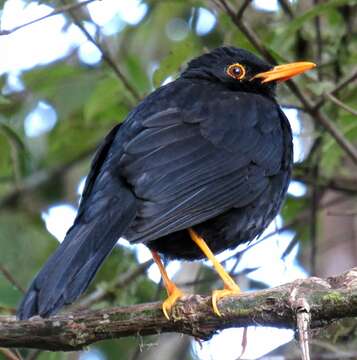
x=318 y=41
x=340 y=104
x=343 y=83
x=43 y=177
x=338 y=183
x=244 y=342
x=303 y=318
x=210 y=279
x=251 y=36
x=286 y=7
x=329 y=299
x=126 y=279
x=292 y=106
x=17 y=352
x=336 y=352
x=303 y=216
x=300 y=43
x=34 y=354
x=342 y=213
x=242 y=9
x=346 y=145
x=9 y=355
x=52 y=13
x=11 y=279
x=7 y=310
x=106 y=56
x=315 y=199
x=17 y=147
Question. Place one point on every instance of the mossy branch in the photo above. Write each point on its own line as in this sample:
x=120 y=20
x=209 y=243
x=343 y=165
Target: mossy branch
x=327 y=300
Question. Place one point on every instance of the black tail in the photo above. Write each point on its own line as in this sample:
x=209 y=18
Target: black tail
x=103 y=217
x=107 y=208
x=71 y=268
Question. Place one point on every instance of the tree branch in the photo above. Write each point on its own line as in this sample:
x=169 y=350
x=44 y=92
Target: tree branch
x=9 y=355
x=328 y=300
x=343 y=83
x=242 y=9
x=347 y=184
x=57 y=11
x=106 y=56
x=341 y=104
x=8 y=276
x=42 y=177
x=285 y=5
x=123 y=281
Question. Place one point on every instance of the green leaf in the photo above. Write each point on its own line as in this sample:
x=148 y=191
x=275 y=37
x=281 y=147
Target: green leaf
x=277 y=56
x=5 y=158
x=292 y=207
x=51 y=355
x=105 y=103
x=23 y=240
x=19 y=152
x=12 y=135
x=320 y=87
x=178 y=55
x=4 y=100
x=332 y=152
x=137 y=74
x=66 y=87
x=298 y=22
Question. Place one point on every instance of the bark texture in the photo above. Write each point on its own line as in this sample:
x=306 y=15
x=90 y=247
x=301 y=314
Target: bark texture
x=328 y=299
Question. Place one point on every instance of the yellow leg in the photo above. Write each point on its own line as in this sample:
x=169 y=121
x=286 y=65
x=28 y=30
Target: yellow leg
x=230 y=287
x=173 y=292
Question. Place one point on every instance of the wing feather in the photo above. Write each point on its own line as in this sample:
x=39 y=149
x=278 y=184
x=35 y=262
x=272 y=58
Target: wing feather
x=186 y=168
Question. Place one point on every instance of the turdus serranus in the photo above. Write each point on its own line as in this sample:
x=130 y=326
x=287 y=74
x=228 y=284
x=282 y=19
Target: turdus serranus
x=199 y=166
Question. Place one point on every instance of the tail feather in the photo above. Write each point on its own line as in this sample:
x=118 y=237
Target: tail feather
x=68 y=272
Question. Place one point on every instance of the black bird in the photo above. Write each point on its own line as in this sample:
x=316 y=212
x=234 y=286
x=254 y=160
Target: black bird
x=199 y=166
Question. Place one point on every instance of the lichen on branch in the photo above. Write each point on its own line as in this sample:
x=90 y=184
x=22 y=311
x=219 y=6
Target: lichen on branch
x=328 y=300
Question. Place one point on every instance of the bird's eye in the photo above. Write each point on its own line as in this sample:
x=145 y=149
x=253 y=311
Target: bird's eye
x=236 y=71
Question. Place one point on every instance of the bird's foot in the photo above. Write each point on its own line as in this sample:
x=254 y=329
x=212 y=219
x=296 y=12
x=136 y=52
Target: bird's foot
x=175 y=294
x=232 y=289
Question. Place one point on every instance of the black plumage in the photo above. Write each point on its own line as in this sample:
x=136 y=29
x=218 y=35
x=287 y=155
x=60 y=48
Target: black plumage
x=207 y=152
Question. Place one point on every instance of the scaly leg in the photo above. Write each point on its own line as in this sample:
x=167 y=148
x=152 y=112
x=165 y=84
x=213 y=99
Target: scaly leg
x=230 y=287
x=173 y=292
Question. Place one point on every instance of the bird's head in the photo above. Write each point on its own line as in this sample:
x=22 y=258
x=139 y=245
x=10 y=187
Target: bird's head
x=239 y=69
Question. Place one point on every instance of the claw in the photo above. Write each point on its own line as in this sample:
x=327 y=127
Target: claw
x=175 y=294
x=218 y=294
x=230 y=287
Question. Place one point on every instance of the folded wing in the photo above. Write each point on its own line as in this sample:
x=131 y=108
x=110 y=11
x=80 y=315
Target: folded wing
x=186 y=167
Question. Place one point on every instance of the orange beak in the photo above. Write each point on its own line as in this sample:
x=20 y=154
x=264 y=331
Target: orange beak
x=284 y=72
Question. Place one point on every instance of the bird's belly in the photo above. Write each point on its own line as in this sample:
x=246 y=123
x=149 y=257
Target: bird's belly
x=220 y=233
x=228 y=230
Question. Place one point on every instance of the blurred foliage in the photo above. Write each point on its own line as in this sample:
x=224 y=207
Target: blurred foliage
x=89 y=99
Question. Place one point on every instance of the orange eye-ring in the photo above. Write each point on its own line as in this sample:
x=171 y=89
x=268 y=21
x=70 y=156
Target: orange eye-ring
x=236 y=71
